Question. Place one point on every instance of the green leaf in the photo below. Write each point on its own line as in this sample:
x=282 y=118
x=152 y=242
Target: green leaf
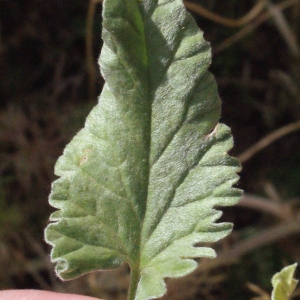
x=140 y=181
x=284 y=283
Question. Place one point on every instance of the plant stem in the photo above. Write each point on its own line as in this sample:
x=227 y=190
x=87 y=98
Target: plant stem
x=134 y=280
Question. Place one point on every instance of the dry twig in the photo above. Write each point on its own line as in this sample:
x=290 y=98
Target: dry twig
x=228 y=22
x=90 y=63
x=252 y=26
x=284 y=29
x=262 y=294
x=263 y=205
x=267 y=140
x=239 y=249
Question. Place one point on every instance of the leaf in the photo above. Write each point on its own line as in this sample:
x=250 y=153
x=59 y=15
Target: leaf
x=284 y=283
x=140 y=181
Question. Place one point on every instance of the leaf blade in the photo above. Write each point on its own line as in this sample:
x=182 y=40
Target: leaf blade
x=140 y=181
x=284 y=283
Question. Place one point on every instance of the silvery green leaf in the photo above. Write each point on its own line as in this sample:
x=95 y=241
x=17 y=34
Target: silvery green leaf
x=140 y=182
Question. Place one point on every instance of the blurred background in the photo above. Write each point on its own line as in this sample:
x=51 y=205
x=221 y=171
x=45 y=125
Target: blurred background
x=49 y=81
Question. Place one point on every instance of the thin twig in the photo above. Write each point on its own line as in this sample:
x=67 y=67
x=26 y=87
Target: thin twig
x=265 y=237
x=272 y=192
x=228 y=22
x=284 y=29
x=269 y=139
x=285 y=80
x=256 y=84
x=263 y=205
x=252 y=26
x=90 y=63
x=262 y=294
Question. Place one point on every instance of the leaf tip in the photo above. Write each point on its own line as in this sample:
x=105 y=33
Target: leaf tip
x=284 y=283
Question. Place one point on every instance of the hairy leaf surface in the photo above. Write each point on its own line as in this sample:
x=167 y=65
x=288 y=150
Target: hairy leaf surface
x=284 y=283
x=140 y=181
